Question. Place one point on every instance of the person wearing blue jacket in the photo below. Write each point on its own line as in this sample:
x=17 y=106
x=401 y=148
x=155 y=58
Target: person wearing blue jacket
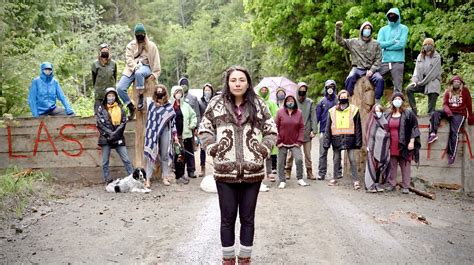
x=393 y=39
x=44 y=92
x=322 y=109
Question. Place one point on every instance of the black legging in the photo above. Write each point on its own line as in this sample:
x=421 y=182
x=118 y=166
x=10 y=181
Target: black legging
x=233 y=197
x=455 y=123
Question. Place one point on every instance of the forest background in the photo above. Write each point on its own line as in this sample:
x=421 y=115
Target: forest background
x=201 y=38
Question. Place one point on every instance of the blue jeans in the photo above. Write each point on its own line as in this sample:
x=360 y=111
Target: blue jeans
x=125 y=81
x=376 y=79
x=122 y=152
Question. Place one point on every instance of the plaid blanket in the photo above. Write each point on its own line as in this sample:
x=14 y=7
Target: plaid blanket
x=160 y=120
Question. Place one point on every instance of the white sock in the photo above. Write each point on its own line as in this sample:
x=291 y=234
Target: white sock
x=228 y=252
x=245 y=251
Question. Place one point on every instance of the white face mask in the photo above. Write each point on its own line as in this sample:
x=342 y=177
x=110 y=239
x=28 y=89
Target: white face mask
x=330 y=91
x=178 y=96
x=397 y=103
x=47 y=71
x=378 y=114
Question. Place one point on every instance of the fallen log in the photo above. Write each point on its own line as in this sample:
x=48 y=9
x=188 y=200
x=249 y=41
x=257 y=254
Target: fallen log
x=447 y=186
x=419 y=192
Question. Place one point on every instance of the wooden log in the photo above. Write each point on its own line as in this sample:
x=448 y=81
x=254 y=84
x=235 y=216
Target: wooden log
x=447 y=186
x=419 y=192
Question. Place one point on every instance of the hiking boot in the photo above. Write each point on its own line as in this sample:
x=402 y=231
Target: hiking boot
x=287 y=173
x=182 y=180
x=301 y=182
x=140 y=103
x=451 y=160
x=282 y=185
x=243 y=261
x=433 y=137
x=228 y=261
x=131 y=111
x=309 y=173
x=203 y=171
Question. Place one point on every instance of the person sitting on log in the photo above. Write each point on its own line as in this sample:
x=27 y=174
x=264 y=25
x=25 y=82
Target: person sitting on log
x=44 y=92
x=457 y=107
x=426 y=77
x=142 y=61
x=344 y=132
x=366 y=57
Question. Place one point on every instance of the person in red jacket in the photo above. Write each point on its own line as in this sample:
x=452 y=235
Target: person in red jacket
x=289 y=120
x=457 y=107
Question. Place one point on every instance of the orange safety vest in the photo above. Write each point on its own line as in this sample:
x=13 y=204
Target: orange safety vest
x=342 y=122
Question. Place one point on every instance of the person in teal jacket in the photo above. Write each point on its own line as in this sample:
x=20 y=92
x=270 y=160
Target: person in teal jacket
x=44 y=92
x=270 y=163
x=393 y=39
x=185 y=122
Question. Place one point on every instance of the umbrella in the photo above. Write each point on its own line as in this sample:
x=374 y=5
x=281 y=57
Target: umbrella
x=273 y=83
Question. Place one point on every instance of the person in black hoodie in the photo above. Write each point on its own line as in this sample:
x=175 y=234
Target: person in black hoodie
x=207 y=94
x=111 y=122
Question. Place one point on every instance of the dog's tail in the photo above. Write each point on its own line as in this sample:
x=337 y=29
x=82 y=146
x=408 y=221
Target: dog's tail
x=117 y=188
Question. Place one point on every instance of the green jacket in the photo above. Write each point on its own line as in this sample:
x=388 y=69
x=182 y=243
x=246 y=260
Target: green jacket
x=103 y=77
x=189 y=116
x=273 y=108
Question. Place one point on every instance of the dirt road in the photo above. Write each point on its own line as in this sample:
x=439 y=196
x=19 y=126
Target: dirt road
x=298 y=225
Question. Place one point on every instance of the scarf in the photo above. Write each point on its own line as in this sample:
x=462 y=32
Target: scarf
x=159 y=119
x=378 y=154
x=115 y=113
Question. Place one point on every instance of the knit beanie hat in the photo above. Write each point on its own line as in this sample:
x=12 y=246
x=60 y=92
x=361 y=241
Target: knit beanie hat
x=397 y=94
x=140 y=29
x=428 y=41
x=456 y=77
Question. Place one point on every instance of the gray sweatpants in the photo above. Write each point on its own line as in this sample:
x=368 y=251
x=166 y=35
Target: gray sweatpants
x=352 y=160
x=396 y=71
x=164 y=143
x=297 y=156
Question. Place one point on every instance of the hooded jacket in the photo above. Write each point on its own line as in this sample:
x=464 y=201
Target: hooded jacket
x=327 y=102
x=393 y=39
x=309 y=117
x=146 y=51
x=343 y=141
x=103 y=76
x=238 y=150
x=110 y=134
x=202 y=101
x=189 y=116
x=273 y=108
x=364 y=54
x=44 y=92
x=428 y=72
x=191 y=100
x=460 y=104
x=290 y=127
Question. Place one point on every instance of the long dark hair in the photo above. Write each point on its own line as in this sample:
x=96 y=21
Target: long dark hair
x=249 y=96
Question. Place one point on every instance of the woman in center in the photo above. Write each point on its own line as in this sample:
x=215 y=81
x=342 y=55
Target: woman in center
x=238 y=132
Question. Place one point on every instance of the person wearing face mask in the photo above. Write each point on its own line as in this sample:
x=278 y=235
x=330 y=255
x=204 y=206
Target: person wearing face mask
x=322 y=109
x=207 y=94
x=377 y=165
x=343 y=132
x=104 y=74
x=185 y=122
x=404 y=142
x=271 y=162
x=160 y=134
x=111 y=122
x=366 y=58
x=290 y=126
x=457 y=107
x=280 y=97
x=393 y=40
x=142 y=61
x=305 y=104
x=44 y=92
x=426 y=77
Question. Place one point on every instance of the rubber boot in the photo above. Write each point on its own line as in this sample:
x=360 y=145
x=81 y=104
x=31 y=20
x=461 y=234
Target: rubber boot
x=140 y=103
x=131 y=111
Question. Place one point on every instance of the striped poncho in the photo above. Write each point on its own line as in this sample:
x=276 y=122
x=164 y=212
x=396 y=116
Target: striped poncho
x=160 y=120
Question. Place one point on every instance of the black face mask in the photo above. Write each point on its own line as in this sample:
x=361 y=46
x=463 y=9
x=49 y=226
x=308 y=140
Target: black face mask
x=140 y=38
x=393 y=18
x=343 y=101
x=302 y=93
x=104 y=55
x=159 y=95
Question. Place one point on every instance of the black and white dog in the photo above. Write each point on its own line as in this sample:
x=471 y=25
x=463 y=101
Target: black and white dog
x=131 y=183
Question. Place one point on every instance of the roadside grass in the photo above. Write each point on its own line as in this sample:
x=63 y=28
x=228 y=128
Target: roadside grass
x=17 y=188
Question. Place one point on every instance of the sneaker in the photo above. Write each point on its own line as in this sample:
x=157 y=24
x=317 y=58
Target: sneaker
x=356 y=185
x=166 y=182
x=321 y=177
x=389 y=188
x=451 y=160
x=282 y=185
x=405 y=191
x=301 y=182
x=379 y=188
x=264 y=187
x=332 y=182
x=371 y=190
x=182 y=180
x=192 y=175
x=433 y=137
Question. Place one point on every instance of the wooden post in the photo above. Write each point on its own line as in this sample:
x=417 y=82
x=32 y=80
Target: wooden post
x=364 y=99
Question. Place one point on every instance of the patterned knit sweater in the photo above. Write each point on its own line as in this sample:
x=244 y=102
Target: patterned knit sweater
x=238 y=152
